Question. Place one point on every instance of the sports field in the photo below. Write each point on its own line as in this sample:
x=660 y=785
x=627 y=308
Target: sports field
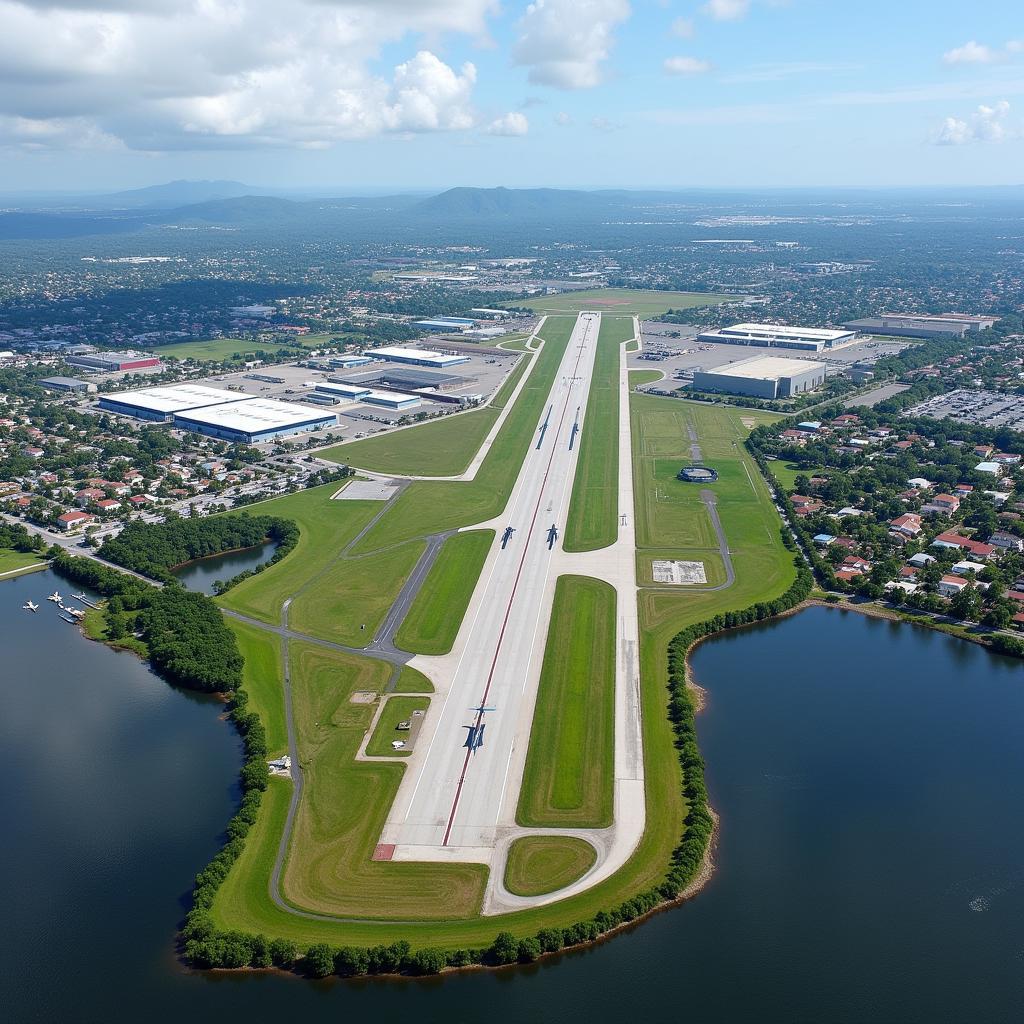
x=625 y=301
x=568 y=780
x=594 y=507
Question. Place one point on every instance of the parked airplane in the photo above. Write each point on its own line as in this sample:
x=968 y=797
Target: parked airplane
x=506 y=536
x=552 y=536
x=55 y=596
x=30 y=606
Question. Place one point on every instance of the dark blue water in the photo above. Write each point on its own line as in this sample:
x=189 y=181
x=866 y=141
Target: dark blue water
x=870 y=780
x=204 y=572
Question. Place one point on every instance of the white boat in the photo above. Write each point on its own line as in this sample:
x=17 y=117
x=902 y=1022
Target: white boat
x=55 y=596
x=30 y=606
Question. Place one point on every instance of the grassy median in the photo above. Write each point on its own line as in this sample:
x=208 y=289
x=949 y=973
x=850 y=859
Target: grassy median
x=397 y=709
x=594 y=507
x=433 y=621
x=568 y=780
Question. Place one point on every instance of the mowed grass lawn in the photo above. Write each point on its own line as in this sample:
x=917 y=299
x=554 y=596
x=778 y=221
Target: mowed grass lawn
x=397 y=709
x=345 y=803
x=594 y=506
x=541 y=864
x=787 y=472
x=325 y=527
x=428 y=506
x=216 y=350
x=263 y=680
x=640 y=302
x=443 y=447
x=433 y=621
x=12 y=561
x=568 y=779
x=347 y=603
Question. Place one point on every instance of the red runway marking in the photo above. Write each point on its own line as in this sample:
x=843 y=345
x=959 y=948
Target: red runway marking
x=508 y=610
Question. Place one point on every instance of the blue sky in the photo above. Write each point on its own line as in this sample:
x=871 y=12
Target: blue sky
x=411 y=94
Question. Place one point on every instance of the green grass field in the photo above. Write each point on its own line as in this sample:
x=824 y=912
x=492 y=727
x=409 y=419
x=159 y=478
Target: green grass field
x=714 y=567
x=787 y=472
x=216 y=350
x=594 y=506
x=538 y=865
x=633 y=301
x=637 y=378
x=397 y=709
x=325 y=527
x=344 y=804
x=433 y=621
x=16 y=562
x=568 y=779
x=347 y=602
x=412 y=681
x=263 y=680
x=443 y=447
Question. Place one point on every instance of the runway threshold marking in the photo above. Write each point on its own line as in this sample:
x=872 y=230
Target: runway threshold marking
x=508 y=609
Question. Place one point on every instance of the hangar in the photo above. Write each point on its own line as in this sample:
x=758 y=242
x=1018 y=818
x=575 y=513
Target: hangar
x=163 y=402
x=418 y=357
x=813 y=339
x=252 y=420
x=762 y=377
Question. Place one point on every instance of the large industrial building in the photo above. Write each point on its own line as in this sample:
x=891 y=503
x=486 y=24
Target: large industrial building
x=407 y=378
x=812 y=339
x=444 y=323
x=920 y=325
x=66 y=384
x=418 y=357
x=163 y=402
x=342 y=390
x=110 y=362
x=250 y=420
x=762 y=377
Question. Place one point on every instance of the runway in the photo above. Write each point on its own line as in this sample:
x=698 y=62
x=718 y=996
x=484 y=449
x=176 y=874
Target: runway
x=454 y=799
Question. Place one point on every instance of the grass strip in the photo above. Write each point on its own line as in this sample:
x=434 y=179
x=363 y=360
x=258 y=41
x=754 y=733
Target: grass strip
x=537 y=865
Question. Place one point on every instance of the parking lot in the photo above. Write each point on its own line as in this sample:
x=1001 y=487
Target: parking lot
x=983 y=408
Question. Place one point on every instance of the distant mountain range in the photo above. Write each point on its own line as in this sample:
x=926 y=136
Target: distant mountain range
x=175 y=193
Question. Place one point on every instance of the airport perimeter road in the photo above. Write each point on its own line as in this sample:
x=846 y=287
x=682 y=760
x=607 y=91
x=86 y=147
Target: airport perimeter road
x=453 y=798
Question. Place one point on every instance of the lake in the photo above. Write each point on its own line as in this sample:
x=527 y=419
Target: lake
x=204 y=572
x=869 y=778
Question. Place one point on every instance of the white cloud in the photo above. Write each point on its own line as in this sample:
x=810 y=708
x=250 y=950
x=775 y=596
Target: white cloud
x=683 y=28
x=163 y=75
x=971 y=53
x=562 y=119
x=726 y=10
x=686 y=66
x=564 y=43
x=986 y=124
x=510 y=124
x=974 y=52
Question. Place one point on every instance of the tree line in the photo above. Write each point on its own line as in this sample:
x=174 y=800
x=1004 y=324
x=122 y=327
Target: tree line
x=155 y=549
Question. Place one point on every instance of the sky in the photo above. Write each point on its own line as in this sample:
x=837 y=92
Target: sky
x=379 y=95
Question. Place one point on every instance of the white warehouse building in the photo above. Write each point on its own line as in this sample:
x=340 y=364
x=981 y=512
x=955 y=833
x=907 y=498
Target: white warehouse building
x=813 y=339
x=254 y=419
x=417 y=357
x=762 y=377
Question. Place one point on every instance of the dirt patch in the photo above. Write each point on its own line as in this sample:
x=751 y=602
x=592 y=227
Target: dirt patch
x=363 y=697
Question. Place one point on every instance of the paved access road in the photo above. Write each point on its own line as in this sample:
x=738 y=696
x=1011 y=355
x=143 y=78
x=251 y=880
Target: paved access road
x=453 y=798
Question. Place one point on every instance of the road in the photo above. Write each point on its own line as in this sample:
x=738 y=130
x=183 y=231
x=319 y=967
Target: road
x=452 y=799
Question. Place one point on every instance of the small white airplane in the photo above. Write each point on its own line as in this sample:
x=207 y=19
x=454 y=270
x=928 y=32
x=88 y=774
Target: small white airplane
x=30 y=606
x=55 y=596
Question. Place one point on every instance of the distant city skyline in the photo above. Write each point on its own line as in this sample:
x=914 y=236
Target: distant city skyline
x=426 y=94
